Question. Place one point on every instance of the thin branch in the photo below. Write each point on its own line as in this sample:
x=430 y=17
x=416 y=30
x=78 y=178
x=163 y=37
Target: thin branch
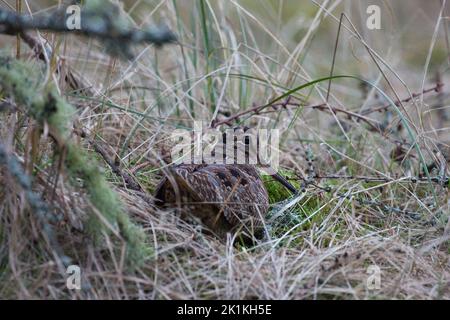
x=102 y=23
x=257 y=110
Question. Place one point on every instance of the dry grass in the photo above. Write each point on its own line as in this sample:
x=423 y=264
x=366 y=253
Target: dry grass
x=234 y=55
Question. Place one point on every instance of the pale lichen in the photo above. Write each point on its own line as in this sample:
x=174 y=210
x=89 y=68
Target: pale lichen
x=20 y=81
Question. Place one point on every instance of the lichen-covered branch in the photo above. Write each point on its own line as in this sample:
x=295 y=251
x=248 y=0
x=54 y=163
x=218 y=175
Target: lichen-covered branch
x=98 y=18
x=37 y=205
x=20 y=81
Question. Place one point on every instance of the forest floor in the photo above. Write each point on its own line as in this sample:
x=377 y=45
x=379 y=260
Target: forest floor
x=83 y=136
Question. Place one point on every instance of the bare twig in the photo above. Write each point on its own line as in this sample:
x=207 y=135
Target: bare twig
x=437 y=88
x=288 y=103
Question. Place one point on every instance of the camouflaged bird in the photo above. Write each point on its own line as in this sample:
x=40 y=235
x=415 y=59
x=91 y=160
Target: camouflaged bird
x=226 y=198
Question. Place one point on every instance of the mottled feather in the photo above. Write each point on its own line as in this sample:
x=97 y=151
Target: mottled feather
x=225 y=197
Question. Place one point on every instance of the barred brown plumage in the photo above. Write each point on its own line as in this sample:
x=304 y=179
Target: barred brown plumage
x=226 y=198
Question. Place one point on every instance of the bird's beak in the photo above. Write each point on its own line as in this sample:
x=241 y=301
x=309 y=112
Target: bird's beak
x=278 y=177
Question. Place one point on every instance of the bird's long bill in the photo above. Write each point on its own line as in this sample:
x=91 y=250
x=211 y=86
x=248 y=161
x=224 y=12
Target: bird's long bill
x=278 y=177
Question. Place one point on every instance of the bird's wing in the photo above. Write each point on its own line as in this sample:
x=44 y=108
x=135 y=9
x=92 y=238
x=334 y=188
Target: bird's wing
x=199 y=183
x=237 y=192
x=177 y=180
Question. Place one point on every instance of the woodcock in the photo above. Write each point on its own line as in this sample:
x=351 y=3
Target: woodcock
x=226 y=198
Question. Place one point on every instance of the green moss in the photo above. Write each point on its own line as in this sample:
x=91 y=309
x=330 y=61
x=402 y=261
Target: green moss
x=106 y=201
x=22 y=81
x=308 y=212
x=147 y=180
x=277 y=192
x=15 y=79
